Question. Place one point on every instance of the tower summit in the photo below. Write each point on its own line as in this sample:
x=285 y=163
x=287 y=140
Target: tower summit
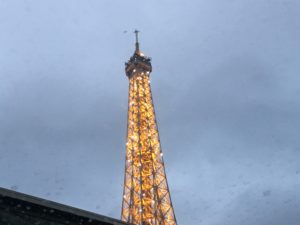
x=146 y=196
x=137 y=45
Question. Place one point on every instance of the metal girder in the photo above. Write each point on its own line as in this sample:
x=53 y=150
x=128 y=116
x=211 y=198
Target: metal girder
x=146 y=196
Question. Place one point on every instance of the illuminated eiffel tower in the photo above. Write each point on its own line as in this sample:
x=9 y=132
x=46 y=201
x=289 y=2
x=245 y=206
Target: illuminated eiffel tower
x=146 y=196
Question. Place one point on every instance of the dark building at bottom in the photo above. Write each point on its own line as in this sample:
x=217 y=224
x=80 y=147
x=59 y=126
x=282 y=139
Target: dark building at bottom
x=20 y=209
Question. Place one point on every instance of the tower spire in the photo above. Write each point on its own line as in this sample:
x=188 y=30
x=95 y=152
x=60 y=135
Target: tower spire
x=137 y=44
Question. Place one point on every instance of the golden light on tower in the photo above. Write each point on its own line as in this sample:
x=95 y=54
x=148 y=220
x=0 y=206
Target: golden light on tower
x=146 y=196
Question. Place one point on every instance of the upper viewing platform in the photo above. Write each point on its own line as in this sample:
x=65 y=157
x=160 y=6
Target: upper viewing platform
x=138 y=63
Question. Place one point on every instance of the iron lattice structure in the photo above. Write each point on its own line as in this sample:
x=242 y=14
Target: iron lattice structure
x=146 y=196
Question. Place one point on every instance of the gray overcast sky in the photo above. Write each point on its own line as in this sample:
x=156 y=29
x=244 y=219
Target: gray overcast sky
x=226 y=88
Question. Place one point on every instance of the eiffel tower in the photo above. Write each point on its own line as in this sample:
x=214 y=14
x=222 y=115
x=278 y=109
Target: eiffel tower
x=146 y=196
